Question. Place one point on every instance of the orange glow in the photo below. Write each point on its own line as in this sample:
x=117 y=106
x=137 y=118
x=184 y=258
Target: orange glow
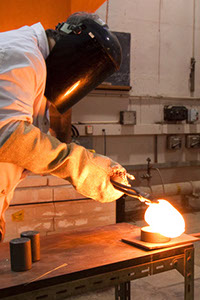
x=163 y=218
x=71 y=89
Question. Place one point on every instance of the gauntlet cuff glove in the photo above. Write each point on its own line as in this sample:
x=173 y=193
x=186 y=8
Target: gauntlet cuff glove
x=41 y=153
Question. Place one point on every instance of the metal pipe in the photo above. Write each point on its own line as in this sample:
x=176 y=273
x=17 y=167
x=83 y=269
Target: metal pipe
x=167 y=165
x=155 y=148
x=107 y=11
x=126 y=94
x=193 y=28
x=159 y=39
x=172 y=189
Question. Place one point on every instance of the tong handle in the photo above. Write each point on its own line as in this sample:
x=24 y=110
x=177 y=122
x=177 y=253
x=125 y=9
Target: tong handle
x=130 y=191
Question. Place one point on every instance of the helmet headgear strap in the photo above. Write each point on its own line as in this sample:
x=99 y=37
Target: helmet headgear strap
x=67 y=28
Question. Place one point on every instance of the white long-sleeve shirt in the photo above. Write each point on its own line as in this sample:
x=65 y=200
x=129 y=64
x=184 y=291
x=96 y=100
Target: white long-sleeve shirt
x=22 y=76
x=22 y=83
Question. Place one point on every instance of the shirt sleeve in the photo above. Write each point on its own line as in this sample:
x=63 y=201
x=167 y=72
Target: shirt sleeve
x=19 y=86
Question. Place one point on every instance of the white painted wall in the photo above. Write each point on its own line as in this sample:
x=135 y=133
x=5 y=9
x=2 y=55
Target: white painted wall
x=162 y=43
x=163 y=40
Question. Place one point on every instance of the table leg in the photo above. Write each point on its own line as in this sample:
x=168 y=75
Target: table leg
x=189 y=274
x=123 y=291
x=120 y=209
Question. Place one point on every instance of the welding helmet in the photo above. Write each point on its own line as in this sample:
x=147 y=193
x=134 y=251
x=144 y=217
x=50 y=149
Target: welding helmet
x=82 y=58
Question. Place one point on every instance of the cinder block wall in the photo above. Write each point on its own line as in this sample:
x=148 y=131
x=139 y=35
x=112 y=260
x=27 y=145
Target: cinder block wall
x=49 y=205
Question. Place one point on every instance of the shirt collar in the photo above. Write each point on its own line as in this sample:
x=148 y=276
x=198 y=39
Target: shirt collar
x=42 y=39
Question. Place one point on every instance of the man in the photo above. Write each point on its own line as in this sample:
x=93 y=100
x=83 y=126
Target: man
x=64 y=64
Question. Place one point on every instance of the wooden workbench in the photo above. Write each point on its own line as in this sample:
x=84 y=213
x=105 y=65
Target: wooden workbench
x=74 y=263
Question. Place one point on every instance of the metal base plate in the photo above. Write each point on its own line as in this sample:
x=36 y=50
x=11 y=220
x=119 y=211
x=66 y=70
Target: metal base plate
x=135 y=240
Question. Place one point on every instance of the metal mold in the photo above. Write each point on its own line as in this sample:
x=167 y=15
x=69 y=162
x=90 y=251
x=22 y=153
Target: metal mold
x=34 y=236
x=20 y=254
x=149 y=236
x=134 y=239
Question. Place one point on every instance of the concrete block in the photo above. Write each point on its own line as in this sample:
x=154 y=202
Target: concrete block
x=98 y=220
x=58 y=217
x=32 y=195
x=13 y=230
x=33 y=181
x=29 y=217
x=74 y=215
x=83 y=207
x=66 y=193
x=33 y=211
x=53 y=180
x=82 y=222
x=42 y=227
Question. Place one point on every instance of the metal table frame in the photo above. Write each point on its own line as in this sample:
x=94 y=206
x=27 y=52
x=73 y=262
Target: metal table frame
x=121 y=279
x=120 y=275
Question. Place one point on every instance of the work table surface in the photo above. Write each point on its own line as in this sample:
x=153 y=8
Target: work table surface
x=75 y=255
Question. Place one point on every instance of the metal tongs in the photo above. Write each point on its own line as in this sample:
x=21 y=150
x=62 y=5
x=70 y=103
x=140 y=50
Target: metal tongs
x=133 y=192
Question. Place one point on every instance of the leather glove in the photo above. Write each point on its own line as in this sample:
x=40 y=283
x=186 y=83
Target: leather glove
x=2 y=229
x=40 y=153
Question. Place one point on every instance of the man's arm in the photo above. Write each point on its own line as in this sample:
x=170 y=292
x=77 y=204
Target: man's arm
x=41 y=153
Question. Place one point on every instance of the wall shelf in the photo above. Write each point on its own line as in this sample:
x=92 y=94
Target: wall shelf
x=114 y=87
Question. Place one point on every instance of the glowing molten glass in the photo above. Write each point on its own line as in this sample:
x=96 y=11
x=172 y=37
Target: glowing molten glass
x=163 y=218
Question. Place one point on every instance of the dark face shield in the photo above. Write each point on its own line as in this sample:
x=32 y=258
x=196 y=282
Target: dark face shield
x=80 y=62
